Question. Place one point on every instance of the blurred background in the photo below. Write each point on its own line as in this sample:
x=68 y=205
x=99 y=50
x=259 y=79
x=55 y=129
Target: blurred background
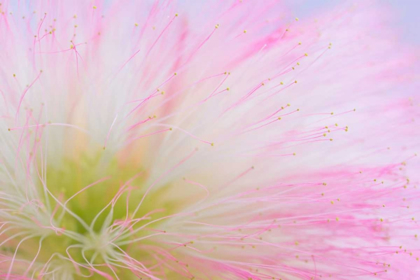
x=407 y=13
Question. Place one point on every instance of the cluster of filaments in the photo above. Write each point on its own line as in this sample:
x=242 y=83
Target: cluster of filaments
x=185 y=110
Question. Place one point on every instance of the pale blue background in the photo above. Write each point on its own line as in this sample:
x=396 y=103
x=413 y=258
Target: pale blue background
x=406 y=11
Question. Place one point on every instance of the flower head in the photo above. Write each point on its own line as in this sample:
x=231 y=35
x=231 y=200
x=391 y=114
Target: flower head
x=214 y=140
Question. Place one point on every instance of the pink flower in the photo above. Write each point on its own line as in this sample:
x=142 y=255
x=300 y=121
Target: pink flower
x=206 y=140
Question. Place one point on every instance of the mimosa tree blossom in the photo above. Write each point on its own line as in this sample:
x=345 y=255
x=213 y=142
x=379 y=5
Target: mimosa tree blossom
x=206 y=140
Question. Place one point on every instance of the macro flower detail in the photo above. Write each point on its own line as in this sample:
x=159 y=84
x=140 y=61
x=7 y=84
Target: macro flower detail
x=206 y=140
